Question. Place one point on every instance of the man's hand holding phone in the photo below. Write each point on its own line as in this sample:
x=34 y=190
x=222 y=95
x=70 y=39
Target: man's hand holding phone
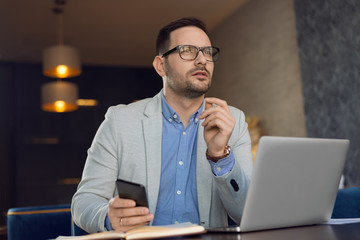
x=124 y=214
x=130 y=208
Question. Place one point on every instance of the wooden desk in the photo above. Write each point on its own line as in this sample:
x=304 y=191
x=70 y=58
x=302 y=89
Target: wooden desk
x=318 y=232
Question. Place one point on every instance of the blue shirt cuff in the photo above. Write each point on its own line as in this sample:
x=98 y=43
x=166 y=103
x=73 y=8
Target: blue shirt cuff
x=108 y=224
x=224 y=165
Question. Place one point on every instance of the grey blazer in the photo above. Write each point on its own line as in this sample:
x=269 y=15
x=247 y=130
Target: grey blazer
x=127 y=145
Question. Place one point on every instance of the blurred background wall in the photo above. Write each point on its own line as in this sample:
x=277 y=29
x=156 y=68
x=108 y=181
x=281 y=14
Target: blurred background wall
x=329 y=47
x=294 y=65
x=259 y=70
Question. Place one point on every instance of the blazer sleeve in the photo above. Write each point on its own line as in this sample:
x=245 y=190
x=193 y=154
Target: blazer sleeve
x=90 y=203
x=233 y=186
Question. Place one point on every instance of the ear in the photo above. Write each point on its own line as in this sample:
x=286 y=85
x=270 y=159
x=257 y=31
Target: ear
x=159 y=65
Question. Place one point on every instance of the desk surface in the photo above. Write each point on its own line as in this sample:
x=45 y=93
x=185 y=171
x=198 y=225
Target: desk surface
x=318 y=232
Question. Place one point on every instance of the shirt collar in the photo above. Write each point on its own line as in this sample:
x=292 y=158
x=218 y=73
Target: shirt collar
x=171 y=115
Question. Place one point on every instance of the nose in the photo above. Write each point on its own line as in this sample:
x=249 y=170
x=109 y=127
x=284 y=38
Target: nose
x=201 y=59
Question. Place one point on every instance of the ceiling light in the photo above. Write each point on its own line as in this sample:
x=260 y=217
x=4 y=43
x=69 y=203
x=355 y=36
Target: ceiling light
x=59 y=96
x=61 y=61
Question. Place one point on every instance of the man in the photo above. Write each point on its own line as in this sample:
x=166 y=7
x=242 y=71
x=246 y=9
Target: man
x=193 y=154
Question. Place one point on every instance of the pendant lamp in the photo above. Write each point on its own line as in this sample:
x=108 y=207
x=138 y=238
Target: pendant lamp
x=60 y=62
x=59 y=96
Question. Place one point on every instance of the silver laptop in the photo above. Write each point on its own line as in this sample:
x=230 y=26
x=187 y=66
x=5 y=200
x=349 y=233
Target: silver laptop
x=294 y=182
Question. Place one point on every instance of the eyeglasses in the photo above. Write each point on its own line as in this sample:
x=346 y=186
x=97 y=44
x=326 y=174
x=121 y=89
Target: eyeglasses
x=190 y=52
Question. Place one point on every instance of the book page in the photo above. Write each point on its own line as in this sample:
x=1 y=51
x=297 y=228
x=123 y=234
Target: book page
x=149 y=232
x=93 y=236
x=144 y=232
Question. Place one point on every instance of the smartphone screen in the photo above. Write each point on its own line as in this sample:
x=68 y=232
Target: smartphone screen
x=131 y=190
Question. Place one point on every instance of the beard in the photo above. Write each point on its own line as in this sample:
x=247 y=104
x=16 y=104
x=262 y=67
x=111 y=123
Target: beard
x=183 y=85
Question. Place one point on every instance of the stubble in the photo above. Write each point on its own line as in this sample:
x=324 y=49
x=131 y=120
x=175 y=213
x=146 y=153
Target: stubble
x=183 y=85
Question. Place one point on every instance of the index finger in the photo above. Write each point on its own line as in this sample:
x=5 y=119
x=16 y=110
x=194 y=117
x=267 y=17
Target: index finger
x=207 y=105
x=209 y=101
x=118 y=202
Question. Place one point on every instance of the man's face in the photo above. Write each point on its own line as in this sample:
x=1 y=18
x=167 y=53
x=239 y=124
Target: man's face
x=187 y=78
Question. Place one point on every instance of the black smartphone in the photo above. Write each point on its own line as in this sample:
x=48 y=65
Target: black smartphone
x=131 y=190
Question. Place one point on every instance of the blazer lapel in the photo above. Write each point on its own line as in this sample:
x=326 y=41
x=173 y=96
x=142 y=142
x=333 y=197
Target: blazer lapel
x=152 y=129
x=203 y=178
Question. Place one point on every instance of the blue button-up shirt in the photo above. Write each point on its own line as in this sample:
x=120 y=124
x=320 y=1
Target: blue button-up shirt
x=177 y=200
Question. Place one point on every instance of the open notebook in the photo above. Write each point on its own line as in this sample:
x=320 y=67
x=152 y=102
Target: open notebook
x=144 y=232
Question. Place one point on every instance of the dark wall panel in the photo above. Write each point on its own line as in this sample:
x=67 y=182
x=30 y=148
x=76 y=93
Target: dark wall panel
x=6 y=130
x=329 y=45
x=45 y=172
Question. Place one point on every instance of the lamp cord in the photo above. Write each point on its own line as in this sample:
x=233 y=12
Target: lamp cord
x=59 y=11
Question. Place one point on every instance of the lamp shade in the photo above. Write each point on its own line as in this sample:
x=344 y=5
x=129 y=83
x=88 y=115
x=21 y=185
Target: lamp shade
x=61 y=62
x=59 y=96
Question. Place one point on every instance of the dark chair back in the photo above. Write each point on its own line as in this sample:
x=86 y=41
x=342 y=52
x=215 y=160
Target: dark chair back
x=41 y=222
x=347 y=204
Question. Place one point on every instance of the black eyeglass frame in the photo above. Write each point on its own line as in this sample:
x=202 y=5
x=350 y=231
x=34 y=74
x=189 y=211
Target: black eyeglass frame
x=198 y=49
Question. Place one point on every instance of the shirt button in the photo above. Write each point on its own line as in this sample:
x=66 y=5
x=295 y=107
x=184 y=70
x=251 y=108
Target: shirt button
x=176 y=222
x=178 y=192
x=218 y=169
x=181 y=163
x=184 y=133
x=170 y=120
x=196 y=120
x=175 y=116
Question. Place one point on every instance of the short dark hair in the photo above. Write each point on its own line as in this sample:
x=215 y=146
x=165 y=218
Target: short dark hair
x=163 y=39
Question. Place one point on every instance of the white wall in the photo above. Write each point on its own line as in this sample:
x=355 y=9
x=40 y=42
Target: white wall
x=258 y=70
